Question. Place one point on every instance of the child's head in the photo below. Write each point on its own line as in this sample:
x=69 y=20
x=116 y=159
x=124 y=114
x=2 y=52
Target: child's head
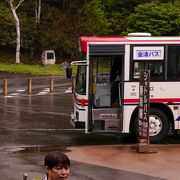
x=57 y=165
x=54 y=159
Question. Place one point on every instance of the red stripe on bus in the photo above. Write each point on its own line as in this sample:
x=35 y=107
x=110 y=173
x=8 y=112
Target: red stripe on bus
x=84 y=102
x=163 y=100
x=121 y=39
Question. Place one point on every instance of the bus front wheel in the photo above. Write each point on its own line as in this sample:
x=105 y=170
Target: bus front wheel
x=158 y=125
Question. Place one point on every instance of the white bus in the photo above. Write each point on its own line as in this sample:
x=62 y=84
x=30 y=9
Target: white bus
x=106 y=94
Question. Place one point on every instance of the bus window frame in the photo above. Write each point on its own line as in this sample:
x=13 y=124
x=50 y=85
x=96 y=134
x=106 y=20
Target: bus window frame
x=167 y=56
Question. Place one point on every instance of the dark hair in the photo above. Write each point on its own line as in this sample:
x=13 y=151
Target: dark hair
x=53 y=159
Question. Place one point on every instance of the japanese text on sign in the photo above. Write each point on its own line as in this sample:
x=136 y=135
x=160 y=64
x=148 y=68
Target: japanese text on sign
x=143 y=119
x=148 y=53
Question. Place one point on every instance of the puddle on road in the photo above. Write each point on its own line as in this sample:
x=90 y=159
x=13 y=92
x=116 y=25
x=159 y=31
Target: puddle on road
x=35 y=150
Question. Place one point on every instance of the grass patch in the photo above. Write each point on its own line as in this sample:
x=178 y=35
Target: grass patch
x=36 y=70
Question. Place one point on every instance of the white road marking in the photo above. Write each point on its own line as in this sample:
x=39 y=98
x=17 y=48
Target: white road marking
x=68 y=90
x=43 y=92
x=20 y=90
x=47 y=89
x=13 y=94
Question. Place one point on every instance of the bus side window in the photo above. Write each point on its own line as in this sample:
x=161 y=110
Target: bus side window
x=138 y=66
x=173 y=71
x=156 y=68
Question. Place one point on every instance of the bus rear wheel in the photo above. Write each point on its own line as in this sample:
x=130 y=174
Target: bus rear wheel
x=158 y=125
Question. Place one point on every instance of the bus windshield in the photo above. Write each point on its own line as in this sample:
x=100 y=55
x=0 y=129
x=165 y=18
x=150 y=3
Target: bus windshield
x=81 y=80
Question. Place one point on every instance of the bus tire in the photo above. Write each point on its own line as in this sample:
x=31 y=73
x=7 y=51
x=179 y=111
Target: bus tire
x=158 y=125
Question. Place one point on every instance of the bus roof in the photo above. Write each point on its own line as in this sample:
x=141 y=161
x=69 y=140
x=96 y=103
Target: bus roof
x=85 y=40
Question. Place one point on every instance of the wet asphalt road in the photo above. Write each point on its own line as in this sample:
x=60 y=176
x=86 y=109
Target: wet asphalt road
x=38 y=118
x=41 y=118
x=29 y=122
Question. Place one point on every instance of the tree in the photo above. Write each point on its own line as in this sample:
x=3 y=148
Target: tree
x=13 y=8
x=38 y=11
x=118 y=11
x=6 y=27
x=93 y=19
x=158 y=19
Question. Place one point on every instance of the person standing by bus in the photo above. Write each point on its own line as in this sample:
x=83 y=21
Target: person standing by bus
x=57 y=166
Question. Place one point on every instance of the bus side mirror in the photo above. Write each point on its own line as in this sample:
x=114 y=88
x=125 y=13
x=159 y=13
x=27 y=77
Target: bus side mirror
x=69 y=72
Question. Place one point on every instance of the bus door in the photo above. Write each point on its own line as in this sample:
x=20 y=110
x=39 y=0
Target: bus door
x=106 y=74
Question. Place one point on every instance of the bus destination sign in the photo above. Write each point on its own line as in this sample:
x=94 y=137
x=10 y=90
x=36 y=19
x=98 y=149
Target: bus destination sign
x=148 y=53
